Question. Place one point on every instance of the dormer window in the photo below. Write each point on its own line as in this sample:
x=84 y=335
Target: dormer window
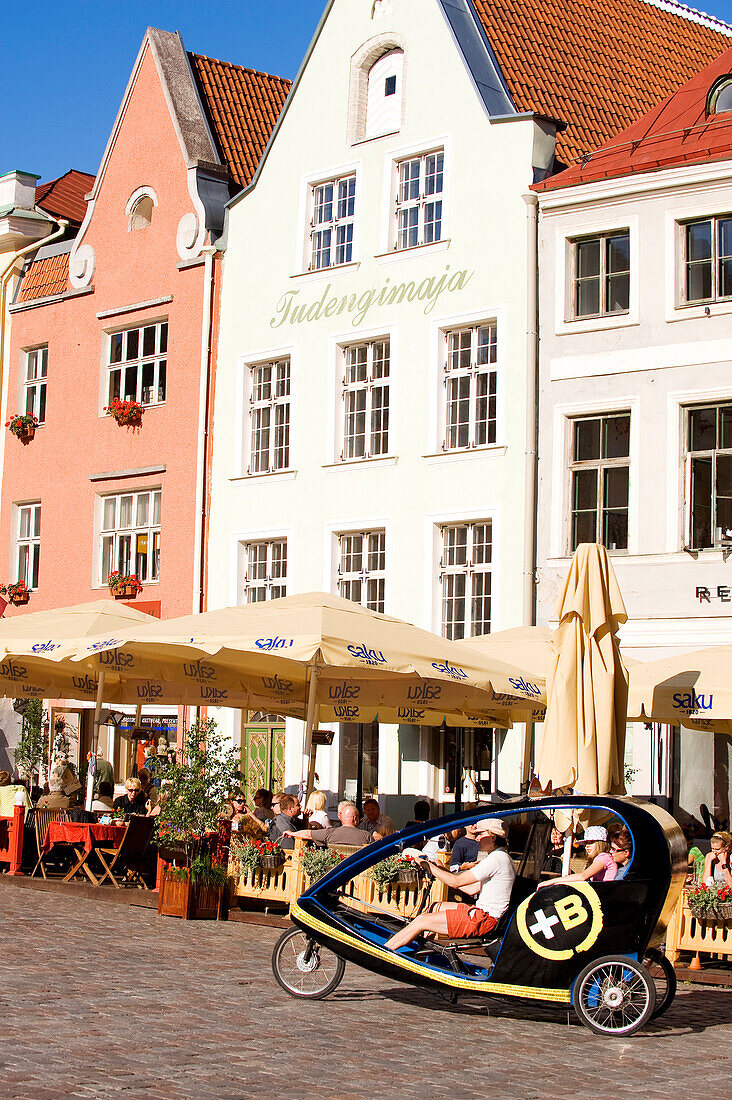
x=139 y=209
x=720 y=96
x=384 y=98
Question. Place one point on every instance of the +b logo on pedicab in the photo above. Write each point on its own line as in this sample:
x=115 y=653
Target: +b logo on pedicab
x=557 y=928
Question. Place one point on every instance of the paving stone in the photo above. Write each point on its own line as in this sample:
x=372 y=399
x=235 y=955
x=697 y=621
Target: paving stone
x=105 y=1002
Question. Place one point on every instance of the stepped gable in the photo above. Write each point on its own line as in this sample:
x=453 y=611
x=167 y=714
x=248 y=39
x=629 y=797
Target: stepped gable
x=242 y=106
x=597 y=66
x=678 y=131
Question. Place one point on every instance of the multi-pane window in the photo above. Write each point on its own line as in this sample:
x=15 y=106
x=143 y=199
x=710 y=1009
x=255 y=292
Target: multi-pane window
x=331 y=234
x=265 y=570
x=709 y=459
x=366 y=400
x=419 y=200
x=138 y=359
x=130 y=535
x=465 y=579
x=602 y=274
x=36 y=370
x=600 y=472
x=29 y=543
x=708 y=259
x=269 y=417
x=470 y=381
x=362 y=568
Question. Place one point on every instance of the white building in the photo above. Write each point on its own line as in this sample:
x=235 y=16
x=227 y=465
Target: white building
x=375 y=405
x=636 y=399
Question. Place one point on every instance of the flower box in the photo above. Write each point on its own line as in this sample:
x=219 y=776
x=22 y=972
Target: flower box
x=15 y=593
x=179 y=897
x=128 y=414
x=123 y=587
x=23 y=426
x=125 y=592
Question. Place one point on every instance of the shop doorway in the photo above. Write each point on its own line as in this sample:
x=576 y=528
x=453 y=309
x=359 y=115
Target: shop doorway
x=358 y=761
x=263 y=754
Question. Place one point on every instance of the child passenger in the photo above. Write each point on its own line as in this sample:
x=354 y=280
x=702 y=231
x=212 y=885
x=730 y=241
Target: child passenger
x=601 y=867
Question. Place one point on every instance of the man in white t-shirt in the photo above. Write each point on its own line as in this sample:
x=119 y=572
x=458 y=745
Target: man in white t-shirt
x=494 y=876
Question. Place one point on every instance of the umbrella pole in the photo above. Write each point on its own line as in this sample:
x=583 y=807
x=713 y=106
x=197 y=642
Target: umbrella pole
x=459 y=770
x=526 y=762
x=95 y=740
x=567 y=853
x=138 y=719
x=308 y=754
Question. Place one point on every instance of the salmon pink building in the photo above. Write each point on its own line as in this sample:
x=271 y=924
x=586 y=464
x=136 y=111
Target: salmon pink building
x=122 y=319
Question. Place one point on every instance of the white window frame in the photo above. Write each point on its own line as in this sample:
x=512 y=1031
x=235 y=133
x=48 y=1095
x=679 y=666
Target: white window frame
x=28 y=544
x=158 y=358
x=472 y=373
x=118 y=532
x=433 y=527
x=368 y=388
x=581 y=225
x=367 y=575
x=271 y=553
x=601 y=465
x=256 y=403
x=35 y=383
x=423 y=201
x=687 y=462
x=472 y=569
x=333 y=224
x=715 y=298
x=602 y=277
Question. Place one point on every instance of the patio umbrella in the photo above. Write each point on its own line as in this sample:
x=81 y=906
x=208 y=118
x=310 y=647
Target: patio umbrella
x=694 y=690
x=587 y=687
x=298 y=653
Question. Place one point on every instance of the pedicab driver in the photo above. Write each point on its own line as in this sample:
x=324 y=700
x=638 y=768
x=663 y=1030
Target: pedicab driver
x=491 y=878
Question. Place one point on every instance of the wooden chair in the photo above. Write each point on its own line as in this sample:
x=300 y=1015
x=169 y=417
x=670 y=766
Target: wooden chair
x=41 y=818
x=129 y=855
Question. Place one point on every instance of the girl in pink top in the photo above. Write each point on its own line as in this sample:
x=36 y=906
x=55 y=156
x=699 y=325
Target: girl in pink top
x=601 y=867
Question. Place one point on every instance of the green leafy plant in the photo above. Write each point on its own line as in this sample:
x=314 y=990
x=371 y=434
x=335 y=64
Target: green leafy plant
x=709 y=902
x=317 y=862
x=385 y=872
x=197 y=787
x=21 y=423
x=177 y=874
x=15 y=592
x=244 y=853
x=118 y=580
x=31 y=752
x=204 y=872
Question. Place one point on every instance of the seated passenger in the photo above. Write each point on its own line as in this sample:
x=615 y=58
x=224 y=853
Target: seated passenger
x=621 y=849
x=718 y=862
x=600 y=865
x=494 y=877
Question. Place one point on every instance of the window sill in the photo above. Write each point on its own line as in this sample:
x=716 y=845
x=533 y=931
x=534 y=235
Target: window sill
x=436 y=458
x=597 y=324
x=326 y=272
x=375 y=137
x=285 y=475
x=147 y=408
x=375 y=460
x=686 y=311
x=395 y=254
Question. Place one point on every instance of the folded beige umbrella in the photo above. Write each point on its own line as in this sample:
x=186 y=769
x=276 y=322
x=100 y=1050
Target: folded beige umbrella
x=297 y=653
x=584 y=733
x=694 y=690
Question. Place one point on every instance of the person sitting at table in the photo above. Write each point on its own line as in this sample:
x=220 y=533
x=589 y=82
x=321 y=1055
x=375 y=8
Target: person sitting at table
x=148 y=788
x=11 y=795
x=55 y=799
x=347 y=832
x=718 y=861
x=262 y=799
x=104 y=802
x=133 y=800
x=373 y=819
x=288 y=822
x=315 y=810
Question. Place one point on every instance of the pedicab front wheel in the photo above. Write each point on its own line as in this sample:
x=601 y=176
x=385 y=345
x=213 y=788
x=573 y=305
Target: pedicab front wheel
x=305 y=968
x=614 y=995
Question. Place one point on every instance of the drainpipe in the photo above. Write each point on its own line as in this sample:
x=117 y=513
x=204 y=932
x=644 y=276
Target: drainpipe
x=4 y=283
x=199 y=595
x=531 y=479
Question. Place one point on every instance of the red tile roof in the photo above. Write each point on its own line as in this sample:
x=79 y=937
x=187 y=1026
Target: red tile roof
x=596 y=64
x=42 y=278
x=242 y=106
x=64 y=196
x=678 y=131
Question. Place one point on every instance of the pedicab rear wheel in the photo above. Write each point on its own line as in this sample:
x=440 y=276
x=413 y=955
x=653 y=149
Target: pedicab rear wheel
x=305 y=968
x=665 y=981
x=614 y=995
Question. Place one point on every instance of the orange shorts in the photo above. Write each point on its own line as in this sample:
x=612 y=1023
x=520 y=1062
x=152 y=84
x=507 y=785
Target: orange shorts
x=466 y=920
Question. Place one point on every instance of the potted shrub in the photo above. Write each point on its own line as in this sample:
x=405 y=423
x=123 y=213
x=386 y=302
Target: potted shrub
x=270 y=854
x=128 y=414
x=17 y=593
x=710 y=902
x=195 y=793
x=22 y=425
x=317 y=862
x=243 y=858
x=385 y=872
x=123 y=586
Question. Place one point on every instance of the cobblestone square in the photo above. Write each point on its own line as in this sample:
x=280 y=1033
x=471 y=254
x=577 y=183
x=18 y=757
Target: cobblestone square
x=102 y=1000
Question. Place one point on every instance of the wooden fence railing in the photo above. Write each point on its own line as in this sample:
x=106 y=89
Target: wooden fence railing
x=686 y=932
x=287 y=882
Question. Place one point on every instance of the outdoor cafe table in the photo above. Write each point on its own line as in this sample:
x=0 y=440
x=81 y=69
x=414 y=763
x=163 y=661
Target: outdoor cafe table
x=83 y=838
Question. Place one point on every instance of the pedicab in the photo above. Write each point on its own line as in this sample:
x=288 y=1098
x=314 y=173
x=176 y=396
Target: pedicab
x=591 y=946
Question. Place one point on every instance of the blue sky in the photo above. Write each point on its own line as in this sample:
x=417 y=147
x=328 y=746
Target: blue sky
x=65 y=63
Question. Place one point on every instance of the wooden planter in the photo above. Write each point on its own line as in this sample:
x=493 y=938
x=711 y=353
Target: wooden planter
x=19 y=597
x=27 y=434
x=125 y=591
x=179 y=897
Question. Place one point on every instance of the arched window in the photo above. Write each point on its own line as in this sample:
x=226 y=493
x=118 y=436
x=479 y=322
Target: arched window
x=139 y=209
x=720 y=96
x=384 y=97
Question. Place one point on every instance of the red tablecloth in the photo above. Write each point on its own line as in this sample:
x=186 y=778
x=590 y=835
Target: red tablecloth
x=68 y=832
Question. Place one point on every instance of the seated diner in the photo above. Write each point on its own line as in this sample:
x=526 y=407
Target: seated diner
x=133 y=801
